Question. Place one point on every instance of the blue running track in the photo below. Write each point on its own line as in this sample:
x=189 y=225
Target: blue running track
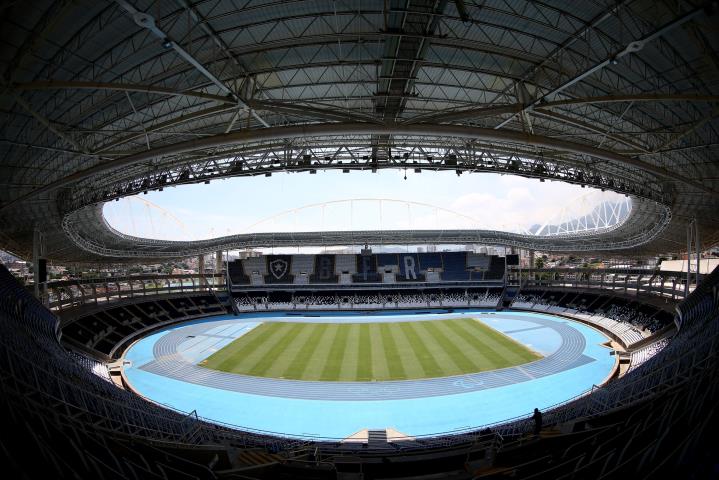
x=163 y=368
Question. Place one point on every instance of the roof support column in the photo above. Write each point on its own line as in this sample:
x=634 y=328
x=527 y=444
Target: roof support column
x=201 y=269
x=218 y=261
x=689 y=259
x=699 y=250
x=39 y=265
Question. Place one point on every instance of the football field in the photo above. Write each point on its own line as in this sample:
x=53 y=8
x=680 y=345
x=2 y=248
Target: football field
x=369 y=351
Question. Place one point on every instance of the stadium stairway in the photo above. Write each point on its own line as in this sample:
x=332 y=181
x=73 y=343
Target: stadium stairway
x=377 y=439
x=302 y=268
x=255 y=264
x=257 y=457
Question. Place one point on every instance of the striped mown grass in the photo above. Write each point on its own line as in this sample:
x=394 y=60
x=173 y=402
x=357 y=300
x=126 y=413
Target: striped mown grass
x=369 y=351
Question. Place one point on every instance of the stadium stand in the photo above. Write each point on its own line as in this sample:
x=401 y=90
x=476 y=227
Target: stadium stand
x=406 y=298
x=108 y=101
x=279 y=268
x=345 y=268
x=324 y=270
x=346 y=264
x=256 y=268
x=236 y=272
x=478 y=262
x=429 y=260
x=373 y=268
x=388 y=266
x=454 y=266
x=366 y=270
x=645 y=353
x=409 y=268
x=107 y=429
x=102 y=330
x=496 y=269
x=630 y=321
x=302 y=268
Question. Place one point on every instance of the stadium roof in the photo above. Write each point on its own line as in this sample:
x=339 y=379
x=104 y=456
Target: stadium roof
x=106 y=99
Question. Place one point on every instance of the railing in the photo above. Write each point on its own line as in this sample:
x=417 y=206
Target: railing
x=625 y=281
x=66 y=294
x=62 y=295
x=337 y=303
x=401 y=285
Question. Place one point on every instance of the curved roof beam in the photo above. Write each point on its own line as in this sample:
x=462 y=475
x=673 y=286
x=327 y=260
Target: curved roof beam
x=169 y=123
x=631 y=47
x=591 y=127
x=454 y=115
x=89 y=229
x=119 y=87
x=145 y=20
x=469 y=133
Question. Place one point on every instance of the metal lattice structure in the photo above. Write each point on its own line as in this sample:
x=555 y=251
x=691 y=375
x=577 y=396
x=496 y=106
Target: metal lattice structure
x=587 y=214
x=108 y=99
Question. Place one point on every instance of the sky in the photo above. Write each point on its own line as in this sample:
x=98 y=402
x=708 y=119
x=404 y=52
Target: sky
x=334 y=200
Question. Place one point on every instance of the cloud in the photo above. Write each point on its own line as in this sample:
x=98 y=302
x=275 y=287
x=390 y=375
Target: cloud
x=242 y=205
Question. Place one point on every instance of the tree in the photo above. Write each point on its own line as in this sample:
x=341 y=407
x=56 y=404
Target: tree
x=539 y=262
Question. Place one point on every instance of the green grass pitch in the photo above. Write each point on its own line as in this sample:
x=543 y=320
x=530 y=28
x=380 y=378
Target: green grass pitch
x=369 y=351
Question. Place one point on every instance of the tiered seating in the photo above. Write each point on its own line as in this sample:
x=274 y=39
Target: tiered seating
x=324 y=269
x=92 y=365
x=256 y=269
x=431 y=267
x=409 y=268
x=246 y=303
x=630 y=321
x=404 y=298
x=496 y=269
x=430 y=264
x=68 y=419
x=457 y=299
x=478 y=261
x=430 y=260
x=345 y=268
x=237 y=273
x=489 y=299
x=345 y=264
x=302 y=268
x=279 y=268
x=102 y=331
x=368 y=300
x=366 y=269
x=582 y=302
x=70 y=422
x=644 y=354
x=479 y=266
x=387 y=263
x=455 y=266
x=625 y=331
x=410 y=300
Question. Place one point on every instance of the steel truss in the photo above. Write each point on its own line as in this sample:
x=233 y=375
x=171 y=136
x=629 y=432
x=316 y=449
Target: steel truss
x=312 y=154
x=108 y=242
